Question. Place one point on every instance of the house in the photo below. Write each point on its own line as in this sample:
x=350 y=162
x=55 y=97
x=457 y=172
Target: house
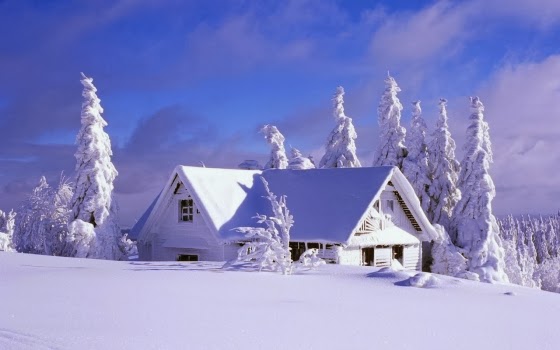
x=355 y=216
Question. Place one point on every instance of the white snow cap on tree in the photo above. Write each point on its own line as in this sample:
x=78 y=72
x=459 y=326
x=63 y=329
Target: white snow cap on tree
x=93 y=202
x=275 y=139
x=476 y=229
x=415 y=165
x=391 y=149
x=444 y=170
x=299 y=162
x=340 y=150
x=269 y=247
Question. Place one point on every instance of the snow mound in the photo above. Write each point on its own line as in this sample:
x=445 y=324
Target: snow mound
x=423 y=280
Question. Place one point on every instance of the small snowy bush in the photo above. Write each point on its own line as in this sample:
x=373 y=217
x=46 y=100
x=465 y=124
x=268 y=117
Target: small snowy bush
x=310 y=259
x=447 y=260
x=269 y=247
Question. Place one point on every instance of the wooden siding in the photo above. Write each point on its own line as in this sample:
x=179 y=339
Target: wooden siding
x=382 y=256
x=411 y=258
x=397 y=216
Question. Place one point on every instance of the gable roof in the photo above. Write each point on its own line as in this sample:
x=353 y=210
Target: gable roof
x=327 y=204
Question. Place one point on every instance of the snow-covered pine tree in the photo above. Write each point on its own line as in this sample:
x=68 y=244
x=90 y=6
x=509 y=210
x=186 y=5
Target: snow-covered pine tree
x=275 y=139
x=42 y=227
x=444 y=170
x=299 y=162
x=391 y=149
x=94 y=230
x=7 y=225
x=340 y=150
x=415 y=165
x=269 y=247
x=477 y=232
x=30 y=230
x=56 y=232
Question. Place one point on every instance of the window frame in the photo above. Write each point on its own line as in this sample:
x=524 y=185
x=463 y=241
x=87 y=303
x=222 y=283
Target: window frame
x=187 y=205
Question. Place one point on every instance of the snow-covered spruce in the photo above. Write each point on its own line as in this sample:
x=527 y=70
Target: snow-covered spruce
x=42 y=227
x=95 y=232
x=7 y=225
x=299 y=162
x=340 y=149
x=269 y=248
x=275 y=139
x=391 y=149
x=444 y=170
x=415 y=165
x=476 y=229
x=29 y=233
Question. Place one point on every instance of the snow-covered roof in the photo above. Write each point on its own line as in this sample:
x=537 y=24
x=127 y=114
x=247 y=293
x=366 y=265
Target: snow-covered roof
x=327 y=204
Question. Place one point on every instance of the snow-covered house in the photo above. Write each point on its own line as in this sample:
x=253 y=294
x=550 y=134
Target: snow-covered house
x=355 y=216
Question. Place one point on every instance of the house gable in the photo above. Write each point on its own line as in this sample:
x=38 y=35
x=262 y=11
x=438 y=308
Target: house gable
x=398 y=204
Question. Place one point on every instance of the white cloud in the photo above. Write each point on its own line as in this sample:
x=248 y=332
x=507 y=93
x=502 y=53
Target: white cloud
x=523 y=108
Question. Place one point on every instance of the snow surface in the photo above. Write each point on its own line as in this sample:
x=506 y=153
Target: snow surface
x=69 y=303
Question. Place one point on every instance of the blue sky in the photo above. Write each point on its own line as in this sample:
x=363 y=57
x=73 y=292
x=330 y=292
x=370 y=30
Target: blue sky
x=184 y=82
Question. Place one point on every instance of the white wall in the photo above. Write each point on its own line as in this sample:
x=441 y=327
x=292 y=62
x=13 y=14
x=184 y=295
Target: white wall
x=350 y=256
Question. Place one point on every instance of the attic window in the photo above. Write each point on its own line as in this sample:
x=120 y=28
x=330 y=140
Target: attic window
x=186 y=209
x=390 y=206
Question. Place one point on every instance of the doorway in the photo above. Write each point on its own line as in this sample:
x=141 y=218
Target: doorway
x=398 y=253
x=368 y=257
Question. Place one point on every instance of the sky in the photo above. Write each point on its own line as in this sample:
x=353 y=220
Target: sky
x=192 y=82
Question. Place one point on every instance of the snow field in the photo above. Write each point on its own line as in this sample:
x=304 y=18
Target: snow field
x=65 y=303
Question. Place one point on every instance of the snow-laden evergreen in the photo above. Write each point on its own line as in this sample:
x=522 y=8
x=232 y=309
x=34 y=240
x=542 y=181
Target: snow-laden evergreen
x=7 y=225
x=299 y=162
x=275 y=139
x=444 y=172
x=415 y=165
x=391 y=149
x=476 y=230
x=340 y=149
x=93 y=203
x=269 y=248
x=29 y=234
x=42 y=227
x=533 y=242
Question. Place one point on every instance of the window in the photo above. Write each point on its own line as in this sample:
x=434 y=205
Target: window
x=186 y=209
x=187 y=257
x=390 y=207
